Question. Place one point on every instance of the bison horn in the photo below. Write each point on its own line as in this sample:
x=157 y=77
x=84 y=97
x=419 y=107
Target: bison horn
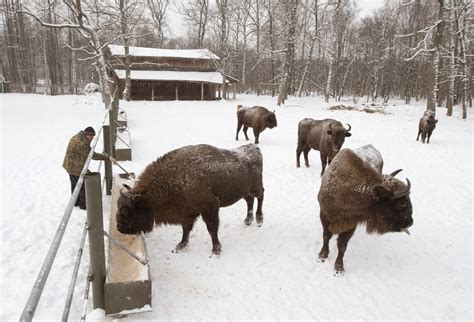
x=404 y=192
x=349 y=127
x=406 y=231
x=330 y=125
x=126 y=186
x=394 y=173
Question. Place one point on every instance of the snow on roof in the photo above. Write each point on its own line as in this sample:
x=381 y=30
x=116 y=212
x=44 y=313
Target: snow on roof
x=117 y=50
x=205 y=77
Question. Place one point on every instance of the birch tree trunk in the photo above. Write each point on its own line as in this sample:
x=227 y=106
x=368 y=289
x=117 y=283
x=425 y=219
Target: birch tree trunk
x=126 y=44
x=332 y=57
x=438 y=38
x=452 y=69
x=465 y=67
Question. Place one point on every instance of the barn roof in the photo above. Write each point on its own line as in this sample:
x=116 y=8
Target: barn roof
x=117 y=50
x=163 y=75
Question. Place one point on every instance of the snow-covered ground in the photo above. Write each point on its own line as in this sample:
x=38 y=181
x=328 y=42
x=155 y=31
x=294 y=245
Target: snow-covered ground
x=269 y=272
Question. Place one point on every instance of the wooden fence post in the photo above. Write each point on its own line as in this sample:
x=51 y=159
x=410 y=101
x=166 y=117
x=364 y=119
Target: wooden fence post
x=95 y=223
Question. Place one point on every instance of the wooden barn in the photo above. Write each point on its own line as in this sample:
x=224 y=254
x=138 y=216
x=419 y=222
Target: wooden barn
x=169 y=74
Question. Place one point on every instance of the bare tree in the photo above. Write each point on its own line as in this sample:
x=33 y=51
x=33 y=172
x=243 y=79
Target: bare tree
x=158 y=10
x=290 y=7
x=196 y=13
x=81 y=22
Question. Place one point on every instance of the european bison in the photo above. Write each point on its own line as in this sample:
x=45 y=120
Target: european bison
x=326 y=136
x=256 y=117
x=354 y=191
x=426 y=126
x=191 y=181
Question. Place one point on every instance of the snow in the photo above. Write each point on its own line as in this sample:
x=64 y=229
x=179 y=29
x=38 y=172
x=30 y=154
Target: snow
x=205 y=77
x=268 y=272
x=117 y=50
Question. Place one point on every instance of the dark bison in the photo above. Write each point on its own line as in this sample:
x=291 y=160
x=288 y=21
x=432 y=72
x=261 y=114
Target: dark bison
x=191 y=181
x=426 y=126
x=354 y=191
x=256 y=117
x=326 y=136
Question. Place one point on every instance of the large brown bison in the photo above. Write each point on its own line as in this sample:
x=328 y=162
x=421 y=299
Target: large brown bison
x=191 y=181
x=426 y=126
x=256 y=117
x=326 y=136
x=354 y=191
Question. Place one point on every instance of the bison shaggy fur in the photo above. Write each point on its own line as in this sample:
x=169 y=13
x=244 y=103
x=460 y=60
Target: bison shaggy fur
x=189 y=182
x=354 y=191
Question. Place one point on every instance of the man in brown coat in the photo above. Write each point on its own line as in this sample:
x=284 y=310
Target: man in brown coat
x=76 y=155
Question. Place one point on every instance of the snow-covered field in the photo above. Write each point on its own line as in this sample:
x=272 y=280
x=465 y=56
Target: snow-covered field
x=269 y=272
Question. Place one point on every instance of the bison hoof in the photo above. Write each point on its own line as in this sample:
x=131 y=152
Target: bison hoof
x=339 y=273
x=321 y=260
x=259 y=222
x=179 y=248
x=248 y=221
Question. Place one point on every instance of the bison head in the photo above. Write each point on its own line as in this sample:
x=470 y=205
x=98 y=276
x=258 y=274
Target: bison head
x=133 y=215
x=393 y=209
x=271 y=120
x=338 y=135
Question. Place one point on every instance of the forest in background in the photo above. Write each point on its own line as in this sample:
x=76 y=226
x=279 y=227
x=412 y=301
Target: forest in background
x=408 y=49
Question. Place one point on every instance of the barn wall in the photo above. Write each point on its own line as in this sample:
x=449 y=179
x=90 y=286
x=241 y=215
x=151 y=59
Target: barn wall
x=166 y=90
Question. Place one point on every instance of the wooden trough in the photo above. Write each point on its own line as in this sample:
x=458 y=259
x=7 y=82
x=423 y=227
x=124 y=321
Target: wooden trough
x=122 y=118
x=123 y=145
x=128 y=283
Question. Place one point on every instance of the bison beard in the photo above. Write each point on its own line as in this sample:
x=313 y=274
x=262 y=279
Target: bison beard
x=192 y=181
x=354 y=191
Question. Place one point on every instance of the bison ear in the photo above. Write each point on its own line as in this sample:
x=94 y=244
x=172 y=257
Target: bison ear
x=382 y=193
x=329 y=132
x=348 y=134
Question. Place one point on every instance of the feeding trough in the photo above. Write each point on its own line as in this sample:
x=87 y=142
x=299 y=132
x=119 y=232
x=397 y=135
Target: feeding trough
x=128 y=283
x=123 y=144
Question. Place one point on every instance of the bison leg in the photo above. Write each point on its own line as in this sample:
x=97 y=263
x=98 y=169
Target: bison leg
x=324 y=252
x=324 y=161
x=239 y=126
x=305 y=153
x=298 y=154
x=245 y=132
x=256 y=133
x=211 y=218
x=423 y=137
x=428 y=137
x=185 y=239
x=259 y=213
x=249 y=199
x=418 y=136
x=342 y=241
